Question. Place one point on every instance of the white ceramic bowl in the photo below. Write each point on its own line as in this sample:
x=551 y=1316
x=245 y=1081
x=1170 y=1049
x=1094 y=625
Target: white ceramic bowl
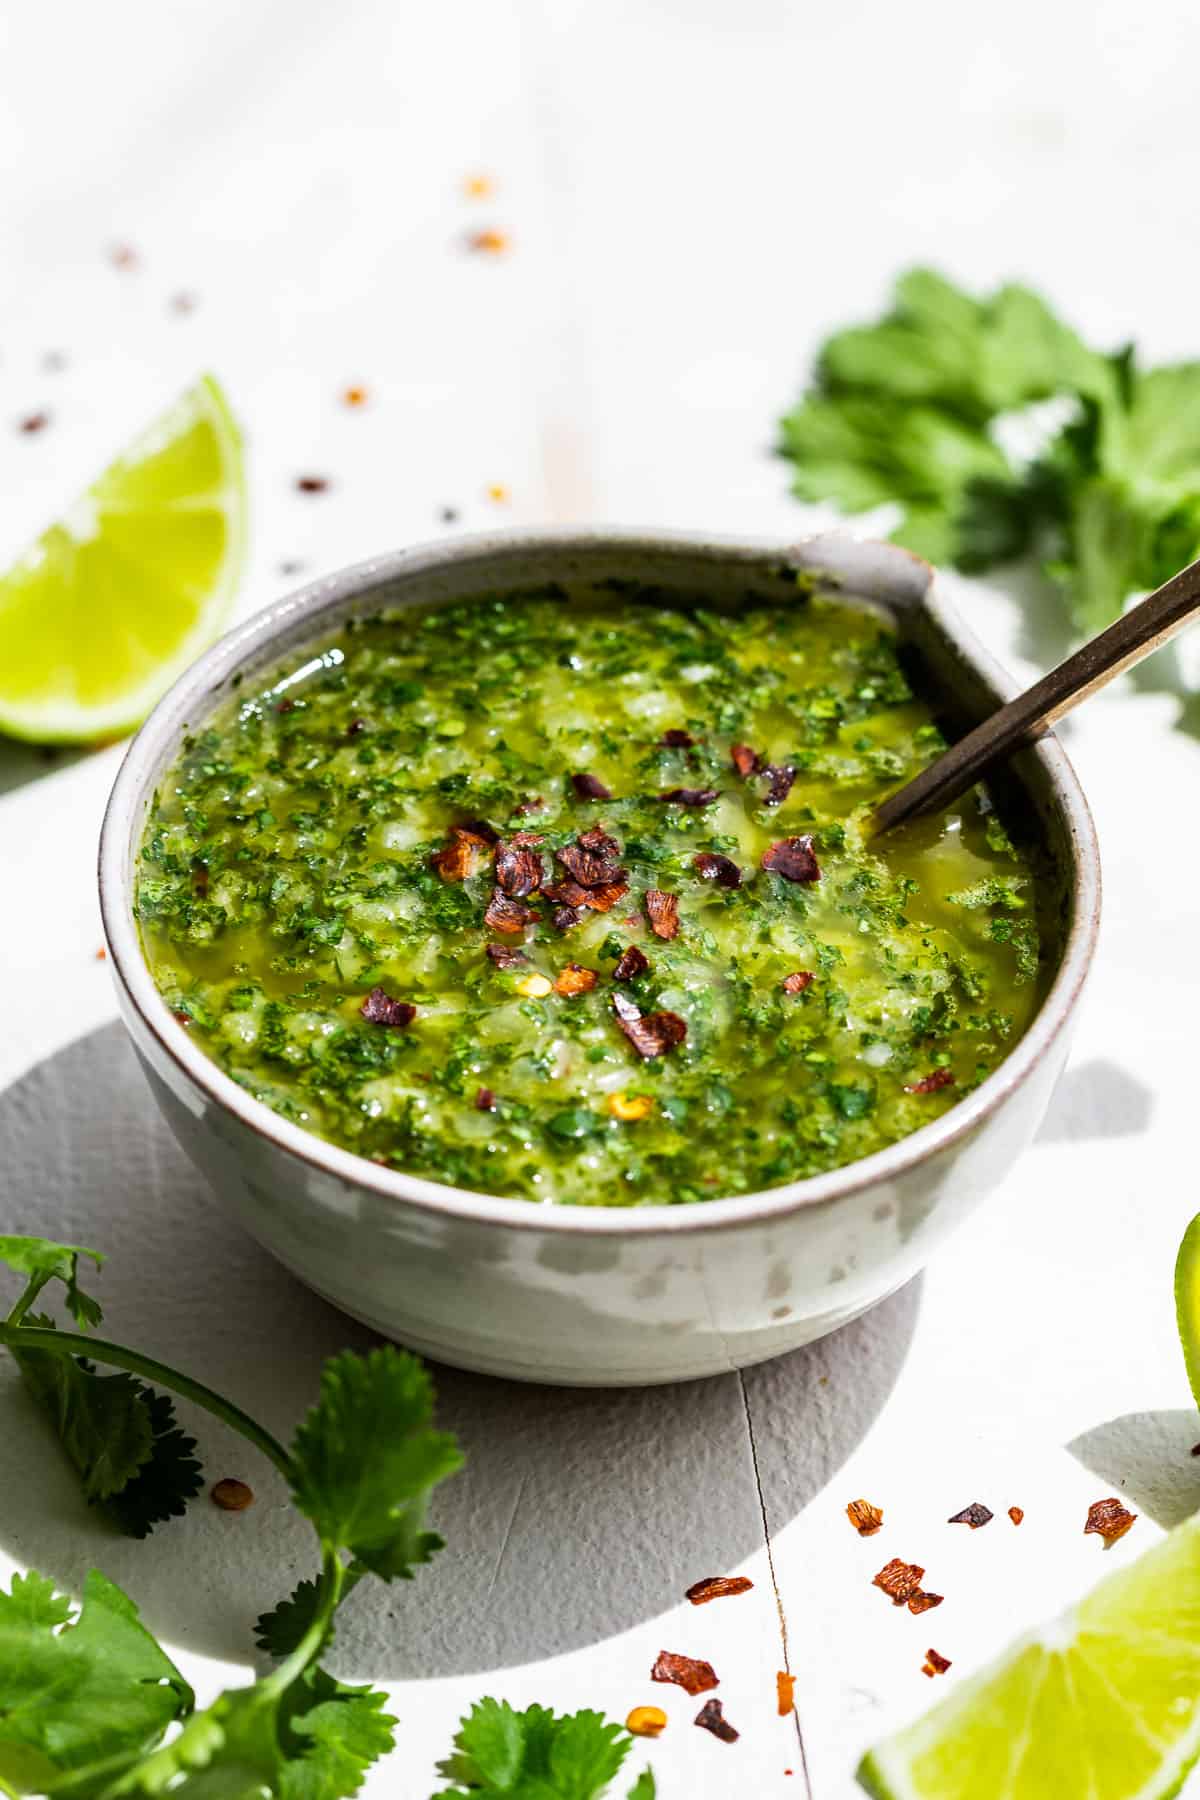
x=598 y=1296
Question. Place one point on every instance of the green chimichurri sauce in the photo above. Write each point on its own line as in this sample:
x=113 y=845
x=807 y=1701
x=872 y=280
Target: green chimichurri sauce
x=317 y=868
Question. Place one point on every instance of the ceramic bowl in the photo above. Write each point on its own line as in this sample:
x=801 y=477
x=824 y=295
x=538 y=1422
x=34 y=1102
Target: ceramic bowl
x=590 y=1295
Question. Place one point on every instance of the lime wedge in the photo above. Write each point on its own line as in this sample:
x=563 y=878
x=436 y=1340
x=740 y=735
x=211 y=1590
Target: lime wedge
x=101 y=614
x=1104 y=1704
x=1187 y=1301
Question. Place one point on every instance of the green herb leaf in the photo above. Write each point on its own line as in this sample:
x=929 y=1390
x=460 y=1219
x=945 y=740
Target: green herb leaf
x=534 y=1755
x=281 y=1630
x=643 y=1788
x=366 y=1458
x=41 y=1260
x=333 y=1739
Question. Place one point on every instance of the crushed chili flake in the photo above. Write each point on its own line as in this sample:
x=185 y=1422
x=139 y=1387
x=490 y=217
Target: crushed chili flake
x=745 y=760
x=354 y=396
x=676 y=740
x=690 y=1673
x=32 y=422
x=865 y=1518
x=974 y=1515
x=101 y=954
x=592 y=859
x=575 y=979
x=464 y=855
x=711 y=1717
x=633 y=962
x=123 y=256
x=380 y=1009
x=478 y=187
x=935 y=1664
x=793 y=858
x=899 y=1580
x=506 y=914
x=231 y=1495
x=498 y=493
x=312 y=484
x=490 y=242
x=1016 y=1514
x=782 y=775
x=717 y=1587
x=590 y=787
x=651 y=1034
x=505 y=956
x=646 y=1721
x=286 y=706
x=519 y=868
x=181 y=1017
x=683 y=796
x=183 y=303
x=785 y=1694
x=931 y=1083
x=572 y=898
x=567 y=917
x=485 y=1100
x=798 y=981
x=663 y=912
x=356 y=727
x=1109 y=1520
x=711 y=867
x=921 y=1601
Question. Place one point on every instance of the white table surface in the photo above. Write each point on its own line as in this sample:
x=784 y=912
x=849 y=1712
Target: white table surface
x=696 y=191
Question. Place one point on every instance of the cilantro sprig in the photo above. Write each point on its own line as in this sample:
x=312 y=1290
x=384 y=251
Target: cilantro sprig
x=88 y=1698
x=938 y=408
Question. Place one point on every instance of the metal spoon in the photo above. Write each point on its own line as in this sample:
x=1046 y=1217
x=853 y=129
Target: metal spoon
x=1139 y=632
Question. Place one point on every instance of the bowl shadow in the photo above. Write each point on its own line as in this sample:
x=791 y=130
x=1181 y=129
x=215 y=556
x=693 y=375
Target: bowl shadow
x=580 y=1513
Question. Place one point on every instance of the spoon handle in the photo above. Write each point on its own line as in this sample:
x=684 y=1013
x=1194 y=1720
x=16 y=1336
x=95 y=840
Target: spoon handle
x=1136 y=634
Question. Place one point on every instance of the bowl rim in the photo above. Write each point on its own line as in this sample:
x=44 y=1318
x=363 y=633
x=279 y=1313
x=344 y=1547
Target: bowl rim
x=194 y=692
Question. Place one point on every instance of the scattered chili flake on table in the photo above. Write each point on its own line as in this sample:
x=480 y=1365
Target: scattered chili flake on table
x=798 y=982
x=181 y=304
x=231 y=1495
x=717 y=1587
x=899 y=1580
x=380 y=1009
x=123 y=256
x=498 y=493
x=865 y=1518
x=101 y=954
x=922 y=1601
x=32 y=422
x=646 y=1721
x=1109 y=1520
x=974 y=1515
x=935 y=1664
x=478 y=187
x=489 y=241
x=931 y=1083
x=354 y=396
x=691 y=1673
x=312 y=484
x=785 y=1694
x=1016 y=1514
x=711 y=1717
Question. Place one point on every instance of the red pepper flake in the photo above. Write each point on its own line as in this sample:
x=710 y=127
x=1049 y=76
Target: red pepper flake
x=498 y=494
x=663 y=912
x=380 y=1009
x=1016 y=1514
x=865 y=1518
x=489 y=241
x=464 y=855
x=478 y=187
x=633 y=962
x=505 y=956
x=182 y=304
x=931 y=1083
x=231 y=1495
x=677 y=740
x=505 y=914
x=575 y=979
x=312 y=484
x=745 y=760
x=711 y=867
x=690 y=1673
x=483 y=830
x=519 y=868
x=782 y=776
x=531 y=804
x=935 y=1664
x=32 y=422
x=592 y=860
x=101 y=954
x=571 y=898
x=485 y=1100
x=921 y=1601
x=899 y=1580
x=785 y=1696
x=182 y=1017
x=797 y=983
x=354 y=396
x=712 y=1718
x=793 y=858
x=123 y=256
x=717 y=1587
x=691 y=796
x=356 y=727
x=974 y=1515
x=590 y=787
x=1109 y=1520
x=651 y=1034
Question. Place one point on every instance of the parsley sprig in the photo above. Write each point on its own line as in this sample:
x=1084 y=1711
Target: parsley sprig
x=87 y=1697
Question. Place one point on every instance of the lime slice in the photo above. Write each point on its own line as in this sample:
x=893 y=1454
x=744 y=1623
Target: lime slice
x=101 y=614
x=1187 y=1301
x=1104 y=1704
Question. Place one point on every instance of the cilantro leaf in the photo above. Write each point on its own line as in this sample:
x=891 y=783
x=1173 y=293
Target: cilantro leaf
x=643 y=1788
x=535 y=1755
x=41 y=1260
x=166 y=1481
x=281 y=1630
x=366 y=1458
x=333 y=1739
x=82 y=1697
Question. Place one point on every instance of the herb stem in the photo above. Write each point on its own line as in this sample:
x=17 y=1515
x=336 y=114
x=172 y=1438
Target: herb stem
x=26 y=1299
x=333 y=1574
x=74 y=1343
